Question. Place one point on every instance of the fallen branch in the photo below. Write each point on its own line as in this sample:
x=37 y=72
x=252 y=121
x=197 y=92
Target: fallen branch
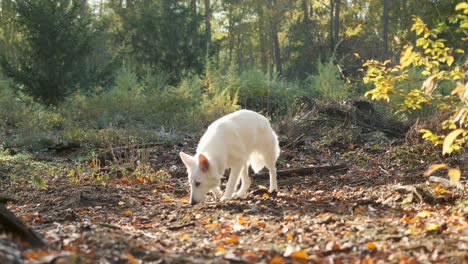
x=305 y=171
x=15 y=226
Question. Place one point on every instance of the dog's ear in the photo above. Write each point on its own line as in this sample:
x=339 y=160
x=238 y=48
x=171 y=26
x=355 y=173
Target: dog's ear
x=203 y=163
x=187 y=159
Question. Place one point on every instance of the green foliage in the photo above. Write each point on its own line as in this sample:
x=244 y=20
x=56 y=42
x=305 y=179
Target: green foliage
x=327 y=83
x=163 y=35
x=47 y=59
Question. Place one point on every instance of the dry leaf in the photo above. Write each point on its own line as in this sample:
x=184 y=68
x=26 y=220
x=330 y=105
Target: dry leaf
x=231 y=240
x=433 y=227
x=300 y=254
x=127 y=213
x=424 y=214
x=277 y=260
x=454 y=175
x=434 y=167
x=371 y=246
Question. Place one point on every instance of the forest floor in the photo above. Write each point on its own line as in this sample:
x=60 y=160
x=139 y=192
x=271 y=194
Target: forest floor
x=379 y=209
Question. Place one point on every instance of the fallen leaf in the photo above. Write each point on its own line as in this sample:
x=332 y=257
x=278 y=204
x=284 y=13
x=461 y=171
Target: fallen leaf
x=277 y=260
x=300 y=254
x=231 y=240
x=371 y=246
x=424 y=214
x=127 y=213
x=433 y=227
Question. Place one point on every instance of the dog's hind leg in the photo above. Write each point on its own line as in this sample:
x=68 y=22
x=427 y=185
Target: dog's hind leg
x=245 y=181
x=273 y=183
x=232 y=182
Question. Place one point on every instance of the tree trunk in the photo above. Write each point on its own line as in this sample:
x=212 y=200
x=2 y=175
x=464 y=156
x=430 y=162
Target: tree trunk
x=385 y=29
x=274 y=21
x=307 y=24
x=83 y=8
x=332 y=40
x=336 y=22
x=207 y=25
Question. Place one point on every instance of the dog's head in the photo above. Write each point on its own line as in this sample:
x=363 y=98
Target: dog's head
x=200 y=176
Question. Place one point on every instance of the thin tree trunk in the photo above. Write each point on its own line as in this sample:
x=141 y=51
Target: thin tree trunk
x=385 y=29
x=207 y=25
x=332 y=40
x=279 y=68
x=336 y=22
x=307 y=23
x=274 y=38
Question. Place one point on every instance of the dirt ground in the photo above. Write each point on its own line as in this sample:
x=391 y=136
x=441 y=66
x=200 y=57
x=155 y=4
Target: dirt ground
x=380 y=209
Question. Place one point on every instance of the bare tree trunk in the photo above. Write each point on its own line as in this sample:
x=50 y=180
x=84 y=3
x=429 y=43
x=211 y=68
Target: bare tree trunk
x=336 y=22
x=307 y=24
x=332 y=40
x=276 y=45
x=274 y=20
x=207 y=25
x=385 y=29
x=83 y=8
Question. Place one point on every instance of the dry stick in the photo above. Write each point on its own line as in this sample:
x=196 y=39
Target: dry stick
x=304 y=171
x=118 y=151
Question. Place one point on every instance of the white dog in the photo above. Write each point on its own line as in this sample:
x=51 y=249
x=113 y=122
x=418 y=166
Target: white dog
x=234 y=141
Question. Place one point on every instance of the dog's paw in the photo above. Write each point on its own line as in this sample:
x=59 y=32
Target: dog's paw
x=239 y=195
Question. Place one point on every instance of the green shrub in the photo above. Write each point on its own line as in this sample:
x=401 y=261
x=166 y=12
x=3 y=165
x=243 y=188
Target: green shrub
x=327 y=83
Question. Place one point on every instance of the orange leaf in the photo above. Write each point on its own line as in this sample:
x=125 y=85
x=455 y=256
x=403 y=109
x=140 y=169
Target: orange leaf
x=289 y=236
x=277 y=260
x=127 y=213
x=241 y=220
x=91 y=164
x=185 y=237
x=131 y=259
x=265 y=195
x=371 y=246
x=231 y=240
x=300 y=254
x=220 y=247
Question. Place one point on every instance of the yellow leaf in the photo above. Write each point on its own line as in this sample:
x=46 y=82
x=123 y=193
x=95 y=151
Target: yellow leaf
x=454 y=175
x=450 y=60
x=289 y=236
x=459 y=51
x=231 y=240
x=265 y=195
x=300 y=254
x=433 y=227
x=449 y=140
x=460 y=6
x=185 y=237
x=371 y=246
x=127 y=213
x=424 y=214
x=434 y=167
x=212 y=225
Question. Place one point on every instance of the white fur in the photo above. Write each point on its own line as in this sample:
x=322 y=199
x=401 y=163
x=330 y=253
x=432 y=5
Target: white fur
x=234 y=141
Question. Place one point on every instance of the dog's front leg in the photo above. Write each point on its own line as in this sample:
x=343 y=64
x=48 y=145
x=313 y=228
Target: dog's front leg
x=217 y=192
x=231 y=184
